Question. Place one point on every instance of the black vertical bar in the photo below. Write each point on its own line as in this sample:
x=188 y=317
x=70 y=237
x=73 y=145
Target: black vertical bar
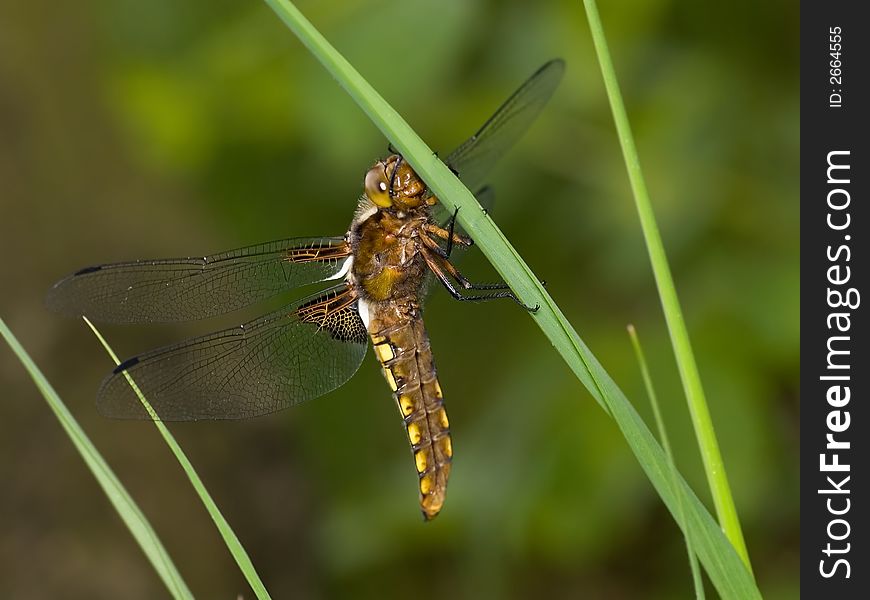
x=835 y=222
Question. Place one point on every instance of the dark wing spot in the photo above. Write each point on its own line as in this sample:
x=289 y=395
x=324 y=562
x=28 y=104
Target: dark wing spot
x=127 y=364
x=346 y=325
x=87 y=270
x=336 y=313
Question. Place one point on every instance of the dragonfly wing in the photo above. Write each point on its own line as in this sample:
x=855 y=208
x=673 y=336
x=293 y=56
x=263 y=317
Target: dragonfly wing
x=441 y=214
x=184 y=289
x=474 y=158
x=303 y=351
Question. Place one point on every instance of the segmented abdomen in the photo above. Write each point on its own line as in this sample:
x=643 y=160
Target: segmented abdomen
x=403 y=351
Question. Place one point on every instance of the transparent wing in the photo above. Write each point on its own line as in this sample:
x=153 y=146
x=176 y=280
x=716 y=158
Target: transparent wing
x=303 y=351
x=473 y=159
x=185 y=289
x=442 y=214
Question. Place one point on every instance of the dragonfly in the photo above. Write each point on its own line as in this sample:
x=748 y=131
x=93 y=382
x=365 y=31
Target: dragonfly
x=401 y=238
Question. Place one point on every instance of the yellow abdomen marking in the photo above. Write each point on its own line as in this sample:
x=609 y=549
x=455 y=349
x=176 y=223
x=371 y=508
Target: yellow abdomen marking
x=442 y=419
x=414 y=434
x=406 y=403
x=427 y=482
x=422 y=460
x=384 y=352
x=446 y=446
x=391 y=381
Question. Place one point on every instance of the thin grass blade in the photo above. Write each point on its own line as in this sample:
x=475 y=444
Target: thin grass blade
x=230 y=539
x=666 y=445
x=123 y=503
x=708 y=444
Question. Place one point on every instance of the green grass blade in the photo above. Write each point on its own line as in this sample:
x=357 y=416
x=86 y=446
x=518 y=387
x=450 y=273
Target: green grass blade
x=726 y=570
x=666 y=445
x=700 y=413
x=124 y=504
x=230 y=539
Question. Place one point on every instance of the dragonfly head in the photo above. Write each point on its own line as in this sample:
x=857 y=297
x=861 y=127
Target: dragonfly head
x=393 y=183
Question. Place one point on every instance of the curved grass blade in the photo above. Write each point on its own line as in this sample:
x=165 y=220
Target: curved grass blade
x=726 y=570
x=230 y=539
x=123 y=503
x=708 y=444
x=666 y=445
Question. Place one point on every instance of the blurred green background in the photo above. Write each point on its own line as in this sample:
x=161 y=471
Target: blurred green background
x=136 y=129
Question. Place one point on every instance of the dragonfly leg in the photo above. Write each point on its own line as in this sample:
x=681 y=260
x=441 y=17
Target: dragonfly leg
x=432 y=245
x=465 y=283
x=461 y=279
x=450 y=231
x=442 y=269
x=393 y=174
x=449 y=236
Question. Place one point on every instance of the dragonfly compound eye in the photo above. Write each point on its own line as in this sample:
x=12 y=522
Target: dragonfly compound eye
x=377 y=187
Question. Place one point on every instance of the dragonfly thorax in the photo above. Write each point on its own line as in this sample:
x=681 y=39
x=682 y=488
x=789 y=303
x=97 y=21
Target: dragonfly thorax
x=387 y=264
